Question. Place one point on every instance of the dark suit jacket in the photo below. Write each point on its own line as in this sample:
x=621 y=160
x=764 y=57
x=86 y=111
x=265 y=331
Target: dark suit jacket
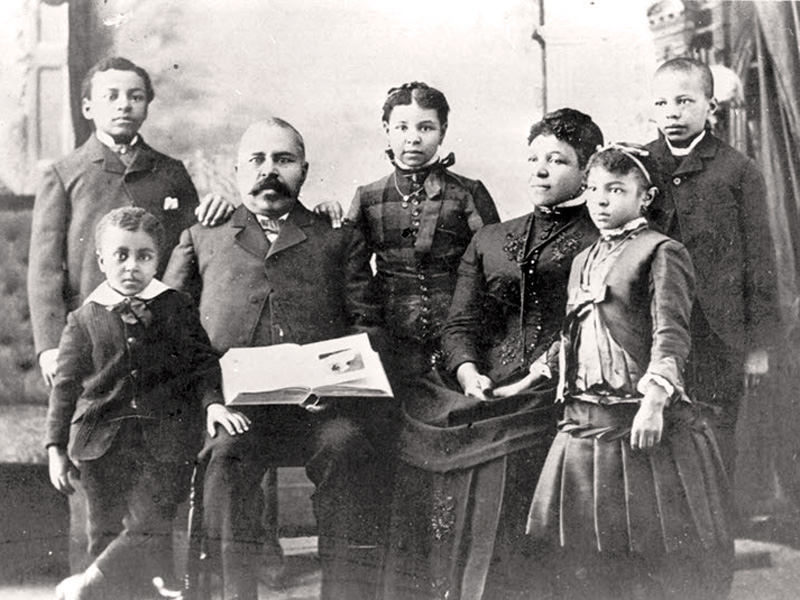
x=645 y=301
x=73 y=195
x=717 y=197
x=512 y=288
x=109 y=370
x=312 y=283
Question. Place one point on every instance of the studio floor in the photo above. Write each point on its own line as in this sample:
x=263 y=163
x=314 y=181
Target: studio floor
x=767 y=570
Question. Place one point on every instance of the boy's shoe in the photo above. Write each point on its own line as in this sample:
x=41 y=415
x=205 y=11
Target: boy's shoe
x=166 y=592
x=83 y=586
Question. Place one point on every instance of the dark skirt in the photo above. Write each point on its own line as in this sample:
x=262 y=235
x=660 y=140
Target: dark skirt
x=599 y=499
x=466 y=475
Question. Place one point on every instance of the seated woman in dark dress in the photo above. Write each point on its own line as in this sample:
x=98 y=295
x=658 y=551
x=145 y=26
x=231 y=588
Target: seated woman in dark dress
x=471 y=450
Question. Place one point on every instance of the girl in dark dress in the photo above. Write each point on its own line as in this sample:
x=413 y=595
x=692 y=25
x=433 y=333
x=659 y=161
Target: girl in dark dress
x=633 y=490
x=417 y=221
x=470 y=457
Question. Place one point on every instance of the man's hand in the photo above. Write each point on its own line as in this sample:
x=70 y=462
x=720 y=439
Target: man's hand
x=316 y=405
x=213 y=210
x=473 y=383
x=332 y=210
x=61 y=468
x=48 y=361
x=233 y=421
x=756 y=365
x=648 y=424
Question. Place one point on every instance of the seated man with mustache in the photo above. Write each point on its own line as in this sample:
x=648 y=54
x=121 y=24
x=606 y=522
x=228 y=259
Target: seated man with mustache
x=277 y=273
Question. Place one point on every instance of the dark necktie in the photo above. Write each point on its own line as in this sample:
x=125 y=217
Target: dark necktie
x=132 y=311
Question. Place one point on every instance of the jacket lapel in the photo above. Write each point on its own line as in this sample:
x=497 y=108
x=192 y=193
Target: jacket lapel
x=144 y=159
x=248 y=233
x=100 y=153
x=292 y=230
x=705 y=150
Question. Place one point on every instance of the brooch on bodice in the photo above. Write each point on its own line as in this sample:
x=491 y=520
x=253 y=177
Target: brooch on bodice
x=565 y=246
x=515 y=247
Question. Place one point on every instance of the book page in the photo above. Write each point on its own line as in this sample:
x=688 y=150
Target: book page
x=262 y=369
x=348 y=366
x=288 y=373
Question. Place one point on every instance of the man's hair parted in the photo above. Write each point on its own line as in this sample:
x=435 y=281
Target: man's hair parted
x=116 y=63
x=421 y=93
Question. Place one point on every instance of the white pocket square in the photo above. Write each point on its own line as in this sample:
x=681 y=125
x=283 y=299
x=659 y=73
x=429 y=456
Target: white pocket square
x=170 y=203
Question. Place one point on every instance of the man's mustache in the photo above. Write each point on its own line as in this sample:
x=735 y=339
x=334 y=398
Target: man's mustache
x=270 y=182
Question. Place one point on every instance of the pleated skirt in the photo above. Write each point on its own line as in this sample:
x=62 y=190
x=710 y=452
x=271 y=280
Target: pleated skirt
x=596 y=493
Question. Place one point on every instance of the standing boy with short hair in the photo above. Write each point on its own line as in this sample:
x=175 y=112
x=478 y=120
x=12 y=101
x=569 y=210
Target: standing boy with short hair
x=713 y=201
x=133 y=362
x=114 y=167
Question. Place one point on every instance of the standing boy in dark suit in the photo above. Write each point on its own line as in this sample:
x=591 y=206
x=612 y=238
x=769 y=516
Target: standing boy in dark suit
x=277 y=273
x=133 y=363
x=713 y=201
x=115 y=167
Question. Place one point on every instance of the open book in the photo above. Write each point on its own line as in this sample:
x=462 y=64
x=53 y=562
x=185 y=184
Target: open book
x=294 y=374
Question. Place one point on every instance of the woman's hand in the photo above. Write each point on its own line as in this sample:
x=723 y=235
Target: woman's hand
x=233 y=421
x=332 y=210
x=648 y=424
x=512 y=389
x=473 y=383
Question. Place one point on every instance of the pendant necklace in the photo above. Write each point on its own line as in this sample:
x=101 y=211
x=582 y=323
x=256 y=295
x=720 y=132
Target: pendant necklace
x=407 y=197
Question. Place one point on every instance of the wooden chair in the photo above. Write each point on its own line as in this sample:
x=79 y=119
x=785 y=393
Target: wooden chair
x=199 y=570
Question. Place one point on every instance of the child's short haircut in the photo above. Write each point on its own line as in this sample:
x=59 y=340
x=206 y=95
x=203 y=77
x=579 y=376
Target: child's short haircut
x=622 y=159
x=571 y=127
x=131 y=218
x=691 y=66
x=118 y=64
x=421 y=93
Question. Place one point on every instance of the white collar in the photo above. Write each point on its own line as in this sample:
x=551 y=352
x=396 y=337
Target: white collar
x=283 y=217
x=566 y=204
x=108 y=141
x=628 y=227
x=404 y=167
x=685 y=151
x=105 y=295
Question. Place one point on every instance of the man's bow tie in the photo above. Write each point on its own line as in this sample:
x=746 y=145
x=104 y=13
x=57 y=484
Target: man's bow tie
x=133 y=311
x=269 y=225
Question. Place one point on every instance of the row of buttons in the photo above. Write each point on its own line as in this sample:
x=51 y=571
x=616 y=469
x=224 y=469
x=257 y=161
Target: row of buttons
x=132 y=341
x=415 y=202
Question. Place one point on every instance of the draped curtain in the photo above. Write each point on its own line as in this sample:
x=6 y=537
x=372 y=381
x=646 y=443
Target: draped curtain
x=89 y=41
x=766 y=56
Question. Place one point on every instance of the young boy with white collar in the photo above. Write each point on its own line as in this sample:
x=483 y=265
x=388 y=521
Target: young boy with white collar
x=713 y=200
x=133 y=361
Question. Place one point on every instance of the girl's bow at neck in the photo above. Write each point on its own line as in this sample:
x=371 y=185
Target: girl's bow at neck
x=418 y=174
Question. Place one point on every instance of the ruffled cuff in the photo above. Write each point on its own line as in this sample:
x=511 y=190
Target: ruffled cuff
x=660 y=381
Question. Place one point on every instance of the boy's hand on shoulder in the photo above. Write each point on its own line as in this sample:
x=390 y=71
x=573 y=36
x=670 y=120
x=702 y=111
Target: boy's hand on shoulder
x=213 y=210
x=48 y=362
x=332 y=210
x=61 y=469
x=233 y=421
x=756 y=365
